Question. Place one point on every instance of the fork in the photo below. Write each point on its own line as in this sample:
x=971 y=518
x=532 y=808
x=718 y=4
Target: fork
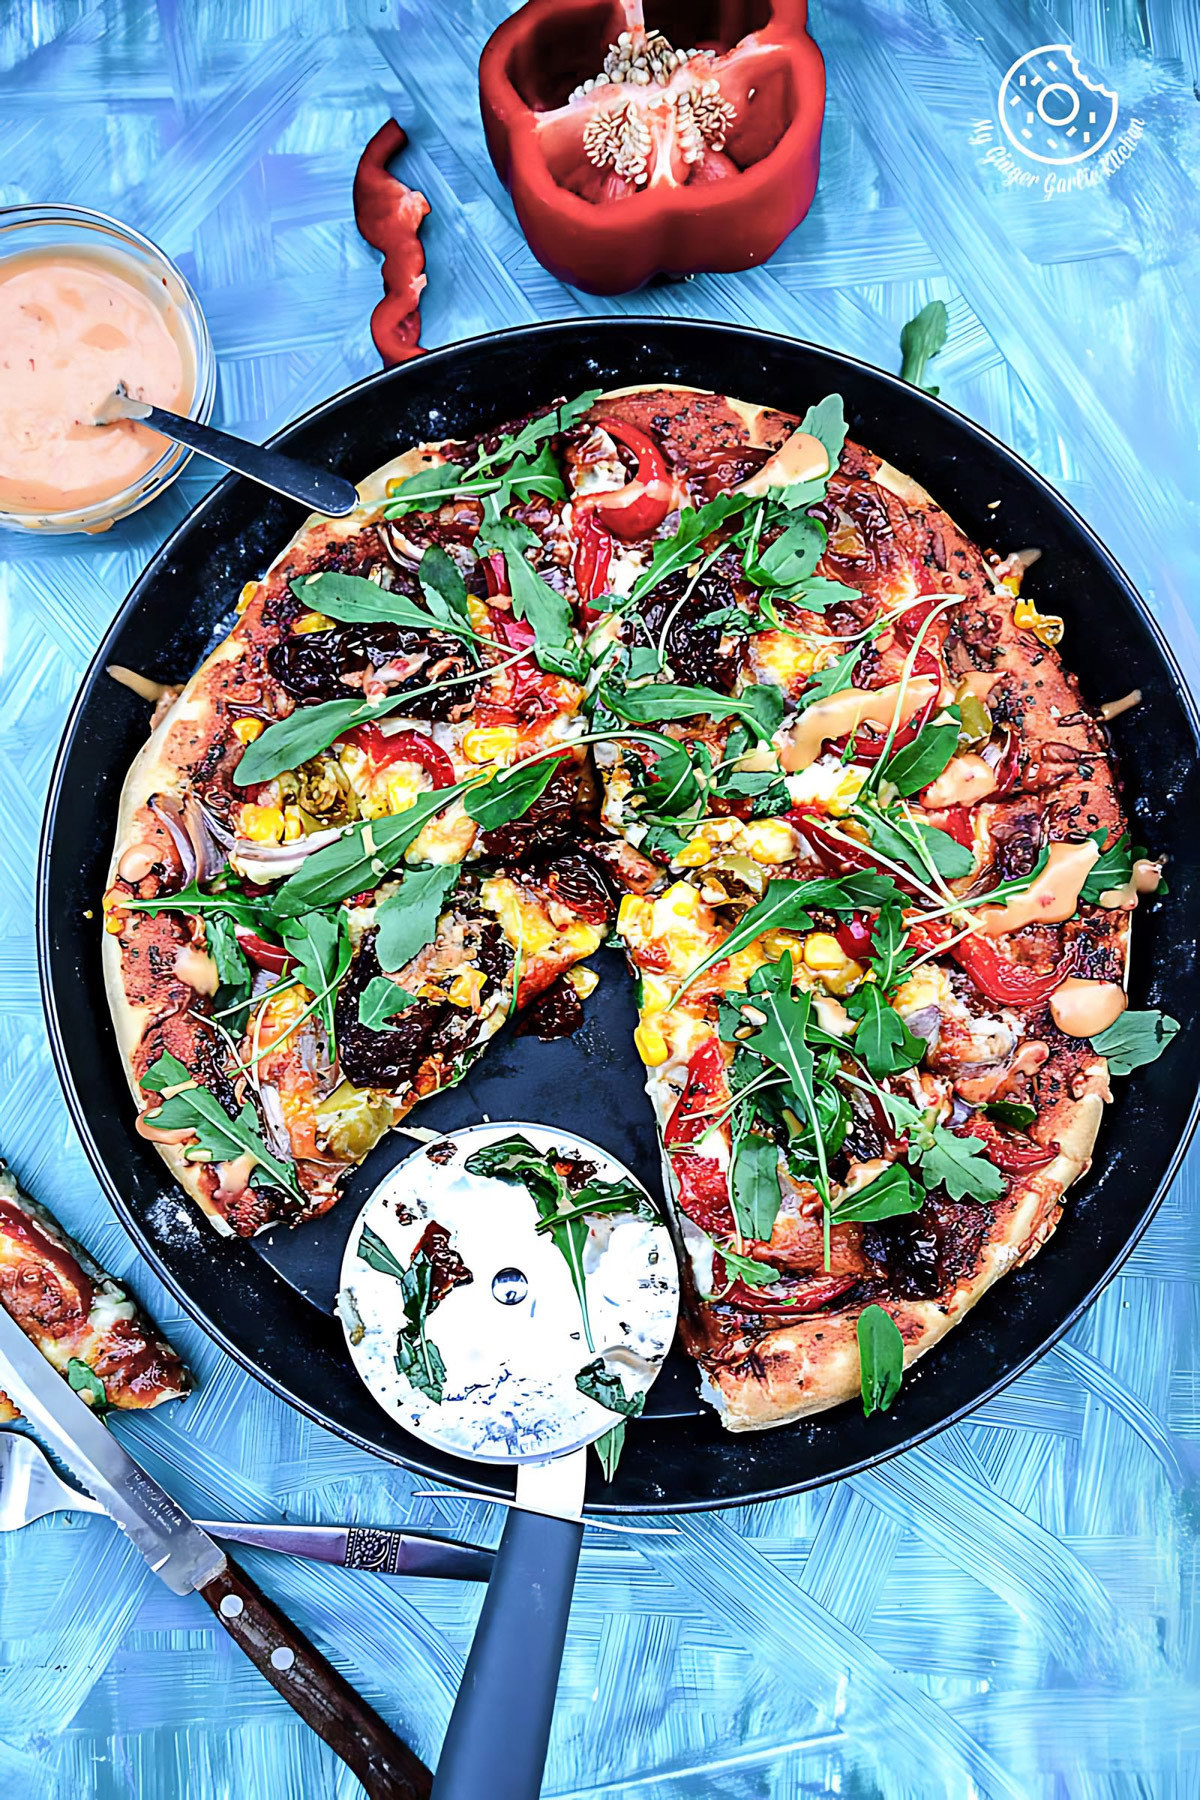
x=30 y=1488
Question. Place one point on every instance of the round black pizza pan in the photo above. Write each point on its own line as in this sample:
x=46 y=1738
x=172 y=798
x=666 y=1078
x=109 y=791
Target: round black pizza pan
x=269 y=1302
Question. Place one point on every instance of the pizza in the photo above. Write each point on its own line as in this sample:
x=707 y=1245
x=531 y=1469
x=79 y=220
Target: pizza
x=720 y=680
x=80 y=1318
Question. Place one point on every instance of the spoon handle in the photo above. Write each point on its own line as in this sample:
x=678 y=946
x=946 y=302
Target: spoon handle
x=330 y=494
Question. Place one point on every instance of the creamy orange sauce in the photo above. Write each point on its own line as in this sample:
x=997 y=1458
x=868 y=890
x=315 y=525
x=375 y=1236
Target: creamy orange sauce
x=839 y=714
x=963 y=781
x=1082 y=1008
x=801 y=458
x=72 y=328
x=1052 y=898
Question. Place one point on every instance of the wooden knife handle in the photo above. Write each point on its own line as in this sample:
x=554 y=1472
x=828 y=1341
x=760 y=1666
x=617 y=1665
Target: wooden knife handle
x=296 y=1669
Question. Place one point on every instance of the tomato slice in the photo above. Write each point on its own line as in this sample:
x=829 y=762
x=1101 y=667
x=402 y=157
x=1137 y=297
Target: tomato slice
x=640 y=507
x=838 y=857
x=382 y=750
x=1008 y=983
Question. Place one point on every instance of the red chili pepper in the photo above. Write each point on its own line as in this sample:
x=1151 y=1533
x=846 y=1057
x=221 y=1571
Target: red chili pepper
x=593 y=554
x=640 y=507
x=836 y=856
x=1009 y=983
x=854 y=936
x=271 y=957
x=404 y=746
x=389 y=215
x=703 y=1192
x=721 y=183
x=1014 y=1154
x=810 y=1296
x=869 y=744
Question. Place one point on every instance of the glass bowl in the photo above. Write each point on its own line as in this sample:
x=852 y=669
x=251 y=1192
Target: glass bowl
x=78 y=231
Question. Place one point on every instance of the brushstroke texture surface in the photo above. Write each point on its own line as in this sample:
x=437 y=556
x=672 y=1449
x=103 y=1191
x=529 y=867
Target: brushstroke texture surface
x=1009 y=1611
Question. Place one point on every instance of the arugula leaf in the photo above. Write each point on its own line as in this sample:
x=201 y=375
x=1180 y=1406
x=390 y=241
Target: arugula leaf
x=761 y=707
x=233 y=971
x=960 y=1165
x=889 y=948
x=767 y=791
x=780 y=1040
x=1112 y=869
x=784 y=907
x=509 y=793
x=744 y=1268
x=535 y=600
x=373 y=1250
x=680 y=551
x=892 y=1192
x=353 y=600
x=831 y=680
x=418 y=1359
x=921 y=340
x=380 y=1000
x=320 y=943
x=304 y=733
x=791 y=558
x=883 y=1040
x=360 y=858
x=1135 y=1039
x=407 y=919
x=604 y=1386
x=425 y=491
x=539 y=474
x=609 y=1447
x=515 y=1160
x=880 y=1359
x=754 y=1185
x=445 y=590
x=923 y=760
x=537 y=431
x=222 y=1138
x=826 y=421
x=662 y=840
x=672 y=787
x=901 y=843
x=85 y=1381
x=227 y=896
x=817 y=594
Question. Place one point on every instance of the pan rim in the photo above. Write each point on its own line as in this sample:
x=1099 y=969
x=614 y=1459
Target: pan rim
x=652 y=324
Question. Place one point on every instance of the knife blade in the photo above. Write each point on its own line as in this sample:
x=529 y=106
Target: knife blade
x=178 y=1551
x=187 y=1559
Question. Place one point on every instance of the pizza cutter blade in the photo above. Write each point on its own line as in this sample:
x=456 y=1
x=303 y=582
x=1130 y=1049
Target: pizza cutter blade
x=527 y=1328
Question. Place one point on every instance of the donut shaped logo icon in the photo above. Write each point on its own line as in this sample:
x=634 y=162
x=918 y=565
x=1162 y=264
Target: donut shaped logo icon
x=1051 y=111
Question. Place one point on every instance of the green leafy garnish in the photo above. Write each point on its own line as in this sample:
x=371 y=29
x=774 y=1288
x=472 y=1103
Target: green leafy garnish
x=832 y=679
x=826 y=421
x=960 y=1165
x=923 y=760
x=880 y=1359
x=380 y=1000
x=916 y=846
x=510 y=792
x=407 y=919
x=678 y=552
x=418 y=1359
x=754 y=1185
x=1136 y=1038
x=86 y=1382
x=604 y=1386
x=920 y=341
x=219 y=1138
x=354 y=600
x=303 y=734
x=784 y=907
x=892 y=1192
x=1011 y=1113
x=1112 y=869
x=426 y=490
x=535 y=432
x=609 y=1447
x=445 y=591
x=883 y=1040
x=534 y=600
x=360 y=859
x=373 y=1250
x=320 y=943
x=744 y=1268
x=761 y=707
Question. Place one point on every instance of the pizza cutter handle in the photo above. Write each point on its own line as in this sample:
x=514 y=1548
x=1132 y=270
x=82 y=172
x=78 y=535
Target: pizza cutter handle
x=495 y=1746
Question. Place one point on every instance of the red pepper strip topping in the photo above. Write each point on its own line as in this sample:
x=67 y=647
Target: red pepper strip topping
x=383 y=750
x=1009 y=983
x=271 y=957
x=910 y=621
x=808 y=1296
x=836 y=856
x=869 y=744
x=854 y=936
x=702 y=1182
x=1013 y=1154
x=640 y=507
x=388 y=216
x=593 y=554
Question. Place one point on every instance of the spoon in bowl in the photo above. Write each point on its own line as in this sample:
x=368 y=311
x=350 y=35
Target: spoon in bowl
x=330 y=494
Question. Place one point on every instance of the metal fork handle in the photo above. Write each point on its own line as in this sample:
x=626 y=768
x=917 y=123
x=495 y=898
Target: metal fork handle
x=376 y=1549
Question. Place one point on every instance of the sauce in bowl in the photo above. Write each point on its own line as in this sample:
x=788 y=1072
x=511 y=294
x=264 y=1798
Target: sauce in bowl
x=72 y=326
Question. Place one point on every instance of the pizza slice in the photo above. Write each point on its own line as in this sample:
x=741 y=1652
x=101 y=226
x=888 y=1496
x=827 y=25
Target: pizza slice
x=80 y=1318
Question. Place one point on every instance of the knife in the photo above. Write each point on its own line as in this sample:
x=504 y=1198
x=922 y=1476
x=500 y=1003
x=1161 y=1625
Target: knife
x=188 y=1560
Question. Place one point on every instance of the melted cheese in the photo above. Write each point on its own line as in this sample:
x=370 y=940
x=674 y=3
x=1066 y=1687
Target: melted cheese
x=1052 y=898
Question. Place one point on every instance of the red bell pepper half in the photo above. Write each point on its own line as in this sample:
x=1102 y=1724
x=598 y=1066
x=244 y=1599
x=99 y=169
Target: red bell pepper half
x=639 y=508
x=383 y=749
x=389 y=215
x=1008 y=983
x=620 y=179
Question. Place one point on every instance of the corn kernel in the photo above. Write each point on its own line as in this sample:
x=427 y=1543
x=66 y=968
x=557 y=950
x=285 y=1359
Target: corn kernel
x=1048 y=628
x=584 y=981
x=478 y=614
x=846 y=792
x=311 y=621
x=682 y=900
x=822 y=951
x=631 y=915
x=246 y=596
x=261 y=824
x=246 y=730
x=114 y=924
x=695 y=853
x=466 y=988
x=651 y=1044
x=770 y=841
x=489 y=743
x=293 y=825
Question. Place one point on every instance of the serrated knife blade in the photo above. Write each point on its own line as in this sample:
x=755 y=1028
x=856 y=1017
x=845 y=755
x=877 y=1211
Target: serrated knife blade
x=176 y=1549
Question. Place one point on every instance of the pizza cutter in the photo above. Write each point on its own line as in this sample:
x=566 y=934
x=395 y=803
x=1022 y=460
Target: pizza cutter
x=505 y=1368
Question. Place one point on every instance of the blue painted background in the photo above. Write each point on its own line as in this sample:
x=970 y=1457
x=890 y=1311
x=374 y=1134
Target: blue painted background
x=1008 y=1612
